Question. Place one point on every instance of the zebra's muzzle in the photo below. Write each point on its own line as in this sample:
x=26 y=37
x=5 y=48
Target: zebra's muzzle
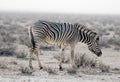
x=99 y=54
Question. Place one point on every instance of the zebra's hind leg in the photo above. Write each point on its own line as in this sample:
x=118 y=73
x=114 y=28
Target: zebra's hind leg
x=37 y=55
x=30 y=58
x=62 y=57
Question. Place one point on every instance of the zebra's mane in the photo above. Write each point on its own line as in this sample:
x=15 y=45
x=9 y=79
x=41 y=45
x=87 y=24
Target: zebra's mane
x=82 y=26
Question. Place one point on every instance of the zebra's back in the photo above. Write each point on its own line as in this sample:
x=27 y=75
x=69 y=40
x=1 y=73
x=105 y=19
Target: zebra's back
x=54 y=33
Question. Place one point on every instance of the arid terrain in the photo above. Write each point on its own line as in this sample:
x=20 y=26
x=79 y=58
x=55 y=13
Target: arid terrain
x=15 y=44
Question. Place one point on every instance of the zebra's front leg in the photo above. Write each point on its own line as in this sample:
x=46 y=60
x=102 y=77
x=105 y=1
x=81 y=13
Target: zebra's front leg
x=72 y=56
x=37 y=55
x=61 y=58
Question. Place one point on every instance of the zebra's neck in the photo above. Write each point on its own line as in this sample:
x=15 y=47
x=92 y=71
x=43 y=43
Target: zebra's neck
x=85 y=35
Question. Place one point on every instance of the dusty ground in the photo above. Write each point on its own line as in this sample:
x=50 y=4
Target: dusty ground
x=11 y=68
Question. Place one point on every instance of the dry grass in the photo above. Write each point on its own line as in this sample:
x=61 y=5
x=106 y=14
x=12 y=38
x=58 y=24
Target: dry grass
x=21 y=51
x=26 y=70
x=7 y=50
x=90 y=64
x=57 y=57
x=82 y=60
x=103 y=67
x=3 y=66
x=71 y=71
x=50 y=70
x=12 y=34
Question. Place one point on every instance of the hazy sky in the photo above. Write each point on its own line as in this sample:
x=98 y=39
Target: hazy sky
x=62 y=6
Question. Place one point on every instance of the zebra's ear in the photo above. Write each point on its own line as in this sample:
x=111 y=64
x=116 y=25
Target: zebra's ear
x=77 y=25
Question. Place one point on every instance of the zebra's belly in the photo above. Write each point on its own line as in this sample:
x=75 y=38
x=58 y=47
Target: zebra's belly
x=52 y=42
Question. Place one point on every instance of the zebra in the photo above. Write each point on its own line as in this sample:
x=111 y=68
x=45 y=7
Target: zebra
x=62 y=34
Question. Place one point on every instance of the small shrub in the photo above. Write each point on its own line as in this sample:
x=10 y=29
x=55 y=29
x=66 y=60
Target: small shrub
x=25 y=70
x=115 y=69
x=3 y=66
x=115 y=40
x=21 y=51
x=83 y=61
x=104 y=68
x=117 y=48
x=50 y=70
x=87 y=63
x=117 y=31
x=57 y=57
x=71 y=71
x=7 y=50
x=65 y=59
x=104 y=42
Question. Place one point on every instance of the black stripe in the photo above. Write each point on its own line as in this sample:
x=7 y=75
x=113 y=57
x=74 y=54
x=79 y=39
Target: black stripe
x=49 y=29
x=32 y=39
x=55 y=31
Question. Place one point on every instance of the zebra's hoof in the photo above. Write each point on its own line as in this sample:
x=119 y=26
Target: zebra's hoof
x=60 y=68
x=40 y=68
x=78 y=66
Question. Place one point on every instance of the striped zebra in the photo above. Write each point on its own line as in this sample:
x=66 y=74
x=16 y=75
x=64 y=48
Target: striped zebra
x=63 y=34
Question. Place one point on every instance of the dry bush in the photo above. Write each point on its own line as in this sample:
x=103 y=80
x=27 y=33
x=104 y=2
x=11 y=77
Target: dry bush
x=3 y=66
x=22 y=37
x=65 y=60
x=101 y=31
x=50 y=70
x=57 y=57
x=71 y=71
x=104 y=42
x=117 y=31
x=7 y=50
x=12 y=36
x=117 y=48
x=21 y=51
x=6 y=41
x=115 y=40
x=26 y=70
x=83 y=61
x=116 y=69
x=103 y=67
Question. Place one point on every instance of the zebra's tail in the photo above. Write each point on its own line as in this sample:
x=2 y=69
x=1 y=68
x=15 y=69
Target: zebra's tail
x=31 y=37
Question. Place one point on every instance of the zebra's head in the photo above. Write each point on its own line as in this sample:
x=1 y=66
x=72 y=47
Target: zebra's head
x=94 y=45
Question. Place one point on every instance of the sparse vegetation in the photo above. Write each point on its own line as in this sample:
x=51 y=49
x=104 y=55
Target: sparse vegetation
x=83 y=60
x=7 y=50
x=3 y=66
x=21 y=51
x=103 y=67
x=12 y=30
x=25 y=70
x=71 y=71
x=14 y=43
x=50 y=70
